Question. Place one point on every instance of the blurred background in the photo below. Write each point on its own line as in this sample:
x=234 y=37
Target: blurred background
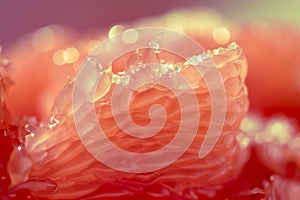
x=43 y=58
x=19 y=17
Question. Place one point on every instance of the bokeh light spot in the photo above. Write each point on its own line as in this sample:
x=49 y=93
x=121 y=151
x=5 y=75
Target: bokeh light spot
x=221 y=35
x=44 y=39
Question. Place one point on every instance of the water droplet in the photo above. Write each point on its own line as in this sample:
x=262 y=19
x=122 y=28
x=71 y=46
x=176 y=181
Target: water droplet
x=163 y=69
x=94 y=62
x=28 y=128
x=177 y=68
x=199 y=59
x=116 y=79
x=126 y=79
x=193 y=60
x=221 y=51
x=53 y=122
x=205 y=56
x=216 y=52
x=232 y=45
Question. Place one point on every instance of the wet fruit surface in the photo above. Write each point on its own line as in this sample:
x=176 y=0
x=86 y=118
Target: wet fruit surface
x=258 y=161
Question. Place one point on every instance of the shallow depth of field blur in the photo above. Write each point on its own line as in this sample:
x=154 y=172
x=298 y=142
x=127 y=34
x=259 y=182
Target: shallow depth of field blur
x=45 y=42
x=17 y=19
